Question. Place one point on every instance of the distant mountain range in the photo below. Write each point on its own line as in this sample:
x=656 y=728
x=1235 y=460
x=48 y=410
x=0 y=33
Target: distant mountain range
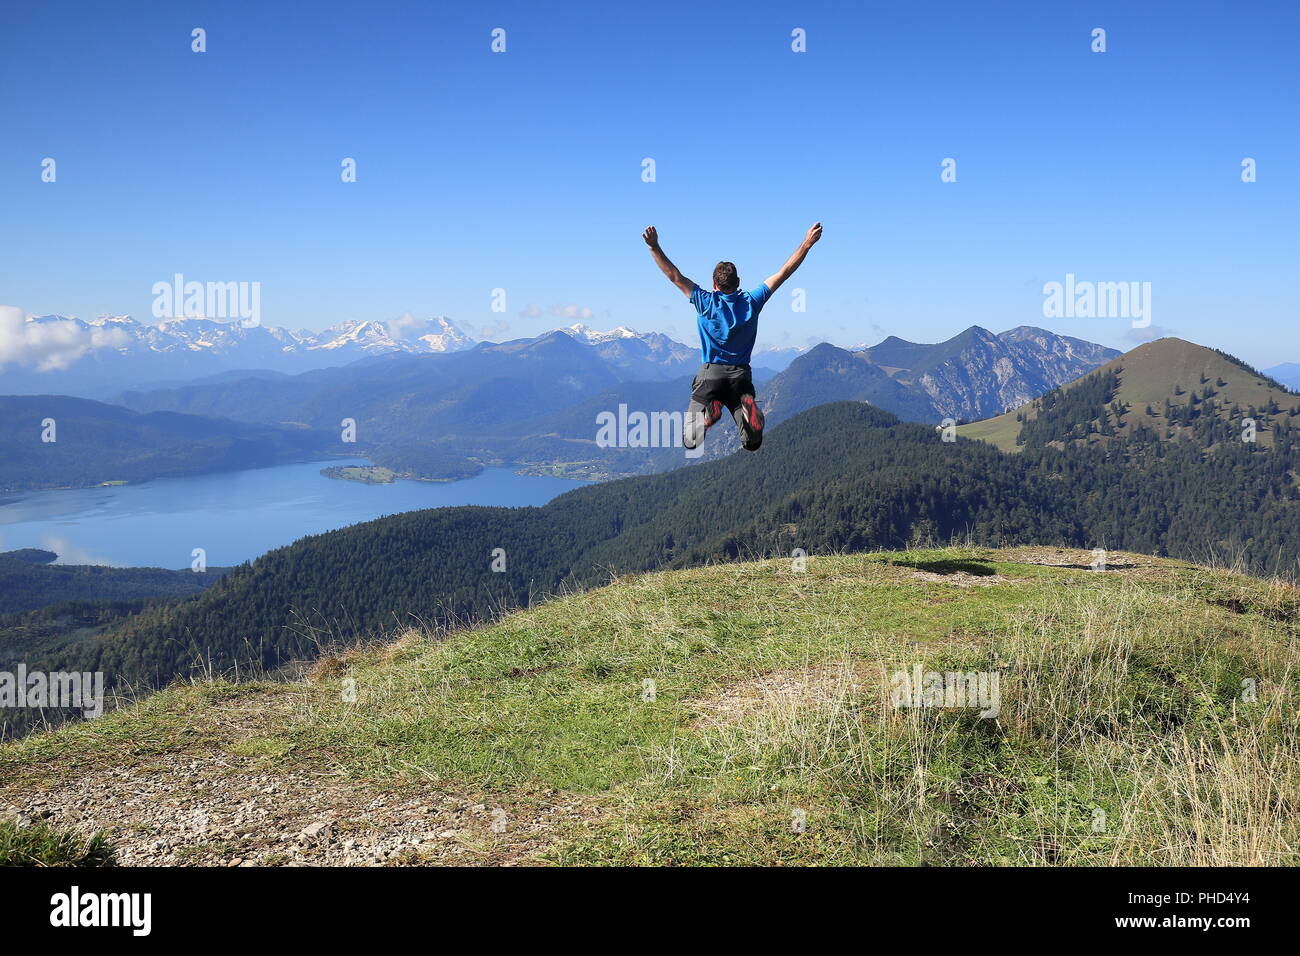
x=430 y=402
x=534 y=402
x=972 y=375
x=108 y=354
x=1288 y=373
x=496 y=403
x=777 y=358
x=638 y=355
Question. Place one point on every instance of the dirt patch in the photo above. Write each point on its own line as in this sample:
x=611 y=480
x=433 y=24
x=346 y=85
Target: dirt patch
x=788 y=689
x=961 y=579
x=1077 y=559
x=185 y=809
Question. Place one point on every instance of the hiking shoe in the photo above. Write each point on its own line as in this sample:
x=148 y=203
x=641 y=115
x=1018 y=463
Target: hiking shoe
x=750 y=419
x=712 y=413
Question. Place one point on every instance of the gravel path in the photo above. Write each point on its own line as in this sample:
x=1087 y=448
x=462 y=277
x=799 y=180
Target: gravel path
x=188 y=810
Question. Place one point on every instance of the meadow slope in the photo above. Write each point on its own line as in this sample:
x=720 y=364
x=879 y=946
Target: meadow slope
x=735 y=714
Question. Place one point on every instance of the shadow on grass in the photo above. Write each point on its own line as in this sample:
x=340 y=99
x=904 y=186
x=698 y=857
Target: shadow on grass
x=952 y=566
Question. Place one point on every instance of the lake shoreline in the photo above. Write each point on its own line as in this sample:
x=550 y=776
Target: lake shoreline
x=124 y=483
x=227 y=518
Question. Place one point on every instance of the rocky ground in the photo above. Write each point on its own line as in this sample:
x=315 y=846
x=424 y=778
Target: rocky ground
x=183 y=810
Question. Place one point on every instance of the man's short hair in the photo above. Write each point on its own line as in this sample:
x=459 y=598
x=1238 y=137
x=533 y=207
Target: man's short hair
x=725 y=277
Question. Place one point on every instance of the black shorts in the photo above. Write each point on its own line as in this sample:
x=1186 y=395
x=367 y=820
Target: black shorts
x=722 y=383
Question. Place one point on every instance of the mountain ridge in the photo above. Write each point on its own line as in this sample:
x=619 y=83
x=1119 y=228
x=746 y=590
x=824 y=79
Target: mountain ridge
x=929 y=382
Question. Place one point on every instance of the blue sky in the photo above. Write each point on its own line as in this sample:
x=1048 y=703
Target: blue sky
x=522 y=170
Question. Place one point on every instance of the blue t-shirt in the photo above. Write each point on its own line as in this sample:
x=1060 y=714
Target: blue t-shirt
x=728 y=323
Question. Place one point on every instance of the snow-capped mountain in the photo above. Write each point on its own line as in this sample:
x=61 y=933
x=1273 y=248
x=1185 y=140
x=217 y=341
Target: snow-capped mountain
x=594 y=337
x=643 y=355
x=773 y=358
x=71 y=356
x=407 y=334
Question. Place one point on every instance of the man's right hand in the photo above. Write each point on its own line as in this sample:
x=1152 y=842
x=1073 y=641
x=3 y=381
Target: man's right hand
x=651 y=237
x=810 y=239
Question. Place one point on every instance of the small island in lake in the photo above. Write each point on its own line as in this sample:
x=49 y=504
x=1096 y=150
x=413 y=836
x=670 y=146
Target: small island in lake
x=406 y=462
x=366 y=474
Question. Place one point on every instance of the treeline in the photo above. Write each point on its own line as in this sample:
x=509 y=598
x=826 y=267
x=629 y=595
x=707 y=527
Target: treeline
x=31 y=634
x=49 y=634
x=423 y=460
x=1070 y=414
x=26 y=585
x=1088 y=410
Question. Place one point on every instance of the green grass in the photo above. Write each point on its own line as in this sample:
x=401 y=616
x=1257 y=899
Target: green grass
x=39 y=844
x=1000 y=431
x=1123 y=735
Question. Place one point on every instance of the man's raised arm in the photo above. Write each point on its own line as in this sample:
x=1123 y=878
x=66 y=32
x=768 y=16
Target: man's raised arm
x=674 y=274
x=775 y=280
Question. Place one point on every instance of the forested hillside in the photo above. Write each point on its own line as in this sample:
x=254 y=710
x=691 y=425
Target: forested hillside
x=26 y=584
x=1165 y=390
x=53 y=441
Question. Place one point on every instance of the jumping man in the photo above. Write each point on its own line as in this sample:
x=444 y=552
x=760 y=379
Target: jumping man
x=728 y=321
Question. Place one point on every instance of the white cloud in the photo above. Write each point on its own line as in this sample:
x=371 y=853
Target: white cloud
x=53 y=345
x=572 y=311
x=1147 y=334
x=398 y=328
x=489 y=332
x=567 y=311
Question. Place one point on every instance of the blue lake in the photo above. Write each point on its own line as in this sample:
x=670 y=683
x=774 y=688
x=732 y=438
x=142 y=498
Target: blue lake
x=234 y=516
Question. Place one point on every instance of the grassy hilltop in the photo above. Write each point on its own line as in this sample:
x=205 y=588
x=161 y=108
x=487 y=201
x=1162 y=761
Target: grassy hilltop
x=1148 y=716
x=1191 y=378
